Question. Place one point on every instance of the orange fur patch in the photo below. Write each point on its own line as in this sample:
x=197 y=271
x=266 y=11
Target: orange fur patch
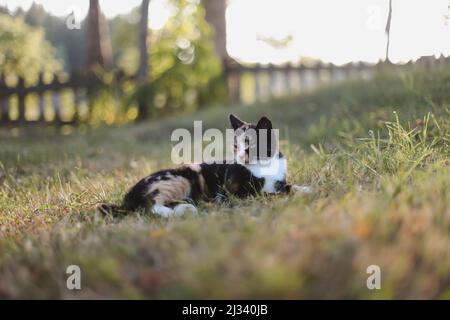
x=173 y=189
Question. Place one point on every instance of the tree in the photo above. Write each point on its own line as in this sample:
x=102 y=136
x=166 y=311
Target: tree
x=125 y=41
x=4 y=10
x=24 y=51
x=215 y=16
x=36 y=15
x=143 y=56
x=183 y=63
x=99 y=52
x=143 y=43
x=69 y=43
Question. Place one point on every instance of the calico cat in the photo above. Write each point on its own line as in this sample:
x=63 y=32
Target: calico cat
x=172 y=192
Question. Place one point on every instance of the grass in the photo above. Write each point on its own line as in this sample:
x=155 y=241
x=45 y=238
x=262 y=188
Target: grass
x=376 y=152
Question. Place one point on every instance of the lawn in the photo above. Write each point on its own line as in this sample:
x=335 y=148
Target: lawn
x=376 y=152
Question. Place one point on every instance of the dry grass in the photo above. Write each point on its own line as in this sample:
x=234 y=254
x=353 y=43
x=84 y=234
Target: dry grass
x=382 y=197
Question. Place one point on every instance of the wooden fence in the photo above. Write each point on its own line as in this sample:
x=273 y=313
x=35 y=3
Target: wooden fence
x=246 y=84
x=16 y=109
x=251 y=83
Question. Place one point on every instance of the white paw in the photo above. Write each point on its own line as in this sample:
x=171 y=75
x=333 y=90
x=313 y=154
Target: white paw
x=302 y=189
x=184 y=208
x=162 y=211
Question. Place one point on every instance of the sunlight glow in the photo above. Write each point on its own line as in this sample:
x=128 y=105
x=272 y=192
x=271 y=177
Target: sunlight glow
x=337 y=31
x=334 y=31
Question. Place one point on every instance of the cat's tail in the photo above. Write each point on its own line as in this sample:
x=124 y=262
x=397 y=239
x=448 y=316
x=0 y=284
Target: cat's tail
x=111 y=209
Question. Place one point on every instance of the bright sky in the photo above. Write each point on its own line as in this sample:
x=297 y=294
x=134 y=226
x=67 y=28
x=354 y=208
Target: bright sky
x=334 y=31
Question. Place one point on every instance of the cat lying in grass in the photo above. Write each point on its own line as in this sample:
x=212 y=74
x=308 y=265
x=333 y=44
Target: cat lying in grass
x=254 y=171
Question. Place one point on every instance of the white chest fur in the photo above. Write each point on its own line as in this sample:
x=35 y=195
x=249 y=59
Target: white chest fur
x=272 y=171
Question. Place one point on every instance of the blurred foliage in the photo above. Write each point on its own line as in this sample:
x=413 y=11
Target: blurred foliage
x=184 y=74
x=69 y=43
x=184 y=69
x=24 y=51
x=124 y=41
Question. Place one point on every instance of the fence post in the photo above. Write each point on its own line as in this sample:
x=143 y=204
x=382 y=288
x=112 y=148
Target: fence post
x=272 y=80
x=328 y=68
x=353 y=72
x=234 y=86
x=346 y=71
x=317 y=81
x=56 y=101
x=335 y=73
x=233 y=76
x=4 y=101
x=41 y=102
x=360 y=70
x=76 y=95
x=76 y=104
x=302 y=77
x=257 y=77
x=287 y=79
x=21 y=99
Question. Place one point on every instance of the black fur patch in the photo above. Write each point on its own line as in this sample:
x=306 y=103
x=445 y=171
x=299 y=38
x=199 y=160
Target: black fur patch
x=222 y=179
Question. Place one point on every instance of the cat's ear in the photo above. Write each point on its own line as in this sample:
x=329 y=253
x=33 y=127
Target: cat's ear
x=264 y=123
x=236 y=122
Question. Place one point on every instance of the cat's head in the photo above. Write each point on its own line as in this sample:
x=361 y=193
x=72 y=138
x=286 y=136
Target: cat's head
x=253 y=142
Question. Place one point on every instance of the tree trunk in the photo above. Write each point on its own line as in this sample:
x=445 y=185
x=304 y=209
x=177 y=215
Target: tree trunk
x=143 y=70
x=143 y=43
x=215 y=11
x=388 y=31
x=215 y=16
x=99 y=52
